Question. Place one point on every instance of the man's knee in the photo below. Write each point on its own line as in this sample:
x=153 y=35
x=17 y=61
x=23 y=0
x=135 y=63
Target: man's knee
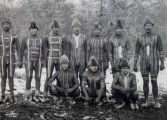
x=118 y=94
x=11 y=82
x=154 y=84
x=37 y=77
x=28 y=82
x=135 y=95
x=4 y=75
x=29 y=78
x=53 y=90
x=154 y=77
x=145 y=79
x=76 y=93
x=46 y=83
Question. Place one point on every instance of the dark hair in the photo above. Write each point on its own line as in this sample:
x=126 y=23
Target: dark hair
x=33 y=25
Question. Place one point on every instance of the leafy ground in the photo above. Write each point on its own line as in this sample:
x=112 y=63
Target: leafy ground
x=53 y=111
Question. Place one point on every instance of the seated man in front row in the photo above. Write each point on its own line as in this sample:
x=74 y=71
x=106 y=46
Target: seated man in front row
x=93 y=82
x=124 y=87
x=67 y=83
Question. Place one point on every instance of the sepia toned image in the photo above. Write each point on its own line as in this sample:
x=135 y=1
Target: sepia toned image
x=83 y=59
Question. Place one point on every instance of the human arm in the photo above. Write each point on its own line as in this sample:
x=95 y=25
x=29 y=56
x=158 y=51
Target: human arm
x=75 y=82
x=115 y=86
x=102 y=87
x=84 y=85
x=137 y=54
x=161 y=52
x=23 y=47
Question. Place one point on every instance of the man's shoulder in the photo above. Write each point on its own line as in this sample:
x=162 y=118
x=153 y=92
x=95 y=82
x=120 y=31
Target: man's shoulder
x=14 y=35
x=86 y=73
x=156 y=35
x=132 y=74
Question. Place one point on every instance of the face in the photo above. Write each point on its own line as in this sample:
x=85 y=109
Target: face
x=125 y=70
x=55 y=30
x=96 y=31
x=33 y=31
x=64 y=66
x=148 y=27
x=6 y=26
x=76 y=29
x=118 y=31
x=93 y=68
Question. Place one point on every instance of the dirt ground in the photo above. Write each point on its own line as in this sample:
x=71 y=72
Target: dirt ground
x=52 y=111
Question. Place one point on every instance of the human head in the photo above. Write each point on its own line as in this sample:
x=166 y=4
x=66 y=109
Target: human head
x=64 y=62
x=148 y=24
x=111 y=27
x=76 y=26
x=119 y=27
x=93 y=64
x=96 y=29
x=6 y=24
x=33 y=28
x=124 y=66
x=55 y=27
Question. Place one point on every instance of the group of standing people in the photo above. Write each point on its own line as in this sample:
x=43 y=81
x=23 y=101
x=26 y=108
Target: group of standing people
x=80 y=62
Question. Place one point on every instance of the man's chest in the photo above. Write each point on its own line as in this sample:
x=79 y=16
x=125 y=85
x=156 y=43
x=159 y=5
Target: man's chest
x=125 y=80
x=76 y=41
x=6 y=40
x=118 y=42
x=55 y=41
x=96 y=44
x=148 y=41
x=93 y=79
x=34 y=43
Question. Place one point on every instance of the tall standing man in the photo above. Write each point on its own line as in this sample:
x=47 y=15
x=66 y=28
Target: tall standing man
x=52 y=52
x=118 y=47
x=75 y=48
x=96 y=46
x=150 y=49
x=31 y=49
x=8 y=44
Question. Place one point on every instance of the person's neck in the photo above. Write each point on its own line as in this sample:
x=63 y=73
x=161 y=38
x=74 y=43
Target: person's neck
x=97 y=36
x=149 y=33
x=65 y=70
x=34 y=36
x=76 y=34
x=55 y=34
x=118 y=35
x=6 y=32
x=125 y=73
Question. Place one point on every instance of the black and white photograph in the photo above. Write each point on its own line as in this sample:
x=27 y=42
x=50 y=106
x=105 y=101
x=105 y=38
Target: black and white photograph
x=83 y=60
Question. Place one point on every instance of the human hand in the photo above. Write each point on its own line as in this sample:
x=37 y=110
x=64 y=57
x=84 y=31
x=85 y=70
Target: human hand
x=97 y=100
x=162 y=67
x=87 y=98
x=69 y=90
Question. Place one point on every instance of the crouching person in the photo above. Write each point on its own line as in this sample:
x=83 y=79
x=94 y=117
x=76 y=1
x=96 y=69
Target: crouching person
x=67 y=83
x=124 y=87
x=93 y=83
